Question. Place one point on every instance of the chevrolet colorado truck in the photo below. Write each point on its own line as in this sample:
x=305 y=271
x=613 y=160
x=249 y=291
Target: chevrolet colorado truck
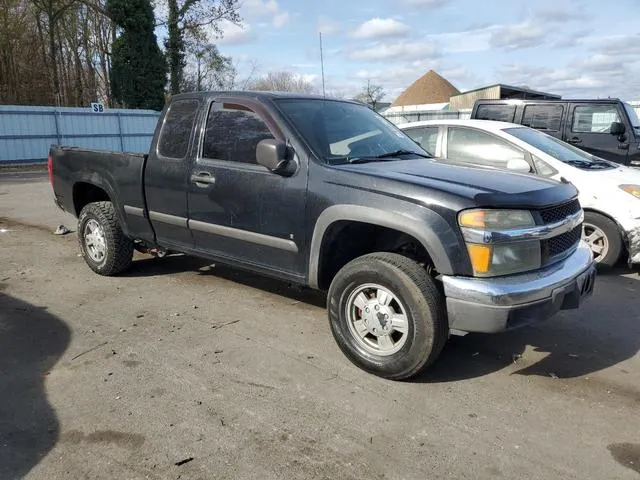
x=328 y=194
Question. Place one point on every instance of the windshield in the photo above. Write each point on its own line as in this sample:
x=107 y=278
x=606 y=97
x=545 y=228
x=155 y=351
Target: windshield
x=341 y=132
x=633 y=116
x=559 y=150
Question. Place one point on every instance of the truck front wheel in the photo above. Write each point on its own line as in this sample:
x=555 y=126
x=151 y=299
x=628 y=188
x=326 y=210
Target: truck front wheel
x=104 y=246
x=387 y=315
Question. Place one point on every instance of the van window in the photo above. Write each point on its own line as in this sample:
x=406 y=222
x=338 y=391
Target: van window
x=176 y=131
x=543 y=117
x=500 y=113
x=594 y=118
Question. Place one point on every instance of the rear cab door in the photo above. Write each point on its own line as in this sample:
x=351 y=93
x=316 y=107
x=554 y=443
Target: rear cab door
x=588 y=128
x=238 y=210
x=166 y=176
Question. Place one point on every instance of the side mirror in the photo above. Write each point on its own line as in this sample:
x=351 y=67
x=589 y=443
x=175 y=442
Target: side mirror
x=617 y=129
x=519 y=165
x=272 y=154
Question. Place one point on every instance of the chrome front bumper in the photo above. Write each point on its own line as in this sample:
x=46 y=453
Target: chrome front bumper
x=495 y=304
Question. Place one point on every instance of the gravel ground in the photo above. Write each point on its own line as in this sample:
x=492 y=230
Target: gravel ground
x=183 y=369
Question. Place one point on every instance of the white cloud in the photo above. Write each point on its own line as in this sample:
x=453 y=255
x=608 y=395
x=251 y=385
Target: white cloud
x=328 y=26
x=281 y=19
x=476 y=40
x=233 y=34
x=381 y=27
x=432 y=4
x=579 y=79
x=522 y=35
x=267 y=8
x=260 y=7
x=561 y=14
x=397 y=50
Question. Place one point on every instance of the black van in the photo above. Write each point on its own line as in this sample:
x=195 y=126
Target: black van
x=609 y=128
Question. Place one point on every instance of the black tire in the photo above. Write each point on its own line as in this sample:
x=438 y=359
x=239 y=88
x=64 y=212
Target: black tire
x=118 y=248
x=423 y=301
x=613 y=238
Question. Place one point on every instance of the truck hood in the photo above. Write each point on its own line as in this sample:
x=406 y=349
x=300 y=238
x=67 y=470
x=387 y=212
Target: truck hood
x=484 y=187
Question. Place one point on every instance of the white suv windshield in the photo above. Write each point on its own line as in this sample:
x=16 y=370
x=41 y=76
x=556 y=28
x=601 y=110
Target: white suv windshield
x=558 y=149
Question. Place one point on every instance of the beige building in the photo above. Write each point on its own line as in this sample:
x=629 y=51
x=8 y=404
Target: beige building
x=466 y=100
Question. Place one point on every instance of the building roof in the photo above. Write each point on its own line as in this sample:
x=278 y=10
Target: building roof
x=508 y=90
x=430 y=88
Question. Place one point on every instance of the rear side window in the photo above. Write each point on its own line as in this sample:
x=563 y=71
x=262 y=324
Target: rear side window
x=426 y=137
x=480 y=148
x=500 y=113
x=543 y=117
x=176 y=131
x=233 y=133
x=594 y=118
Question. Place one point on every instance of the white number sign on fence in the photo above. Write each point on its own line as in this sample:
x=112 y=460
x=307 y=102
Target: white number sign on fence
x=97 y=107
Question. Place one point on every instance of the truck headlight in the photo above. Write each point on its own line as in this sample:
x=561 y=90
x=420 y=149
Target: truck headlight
x=632 y=189
x=488 y=236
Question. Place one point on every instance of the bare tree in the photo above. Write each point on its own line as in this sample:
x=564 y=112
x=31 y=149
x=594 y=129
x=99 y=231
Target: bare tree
x=282 y=82
x=371 y=94
x=207 y=69
x=189 y=19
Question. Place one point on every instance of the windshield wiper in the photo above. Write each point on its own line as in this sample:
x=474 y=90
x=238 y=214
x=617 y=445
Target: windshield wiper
x=403 y=152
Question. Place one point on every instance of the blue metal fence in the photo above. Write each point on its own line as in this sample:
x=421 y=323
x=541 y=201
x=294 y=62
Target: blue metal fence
x=26 y=133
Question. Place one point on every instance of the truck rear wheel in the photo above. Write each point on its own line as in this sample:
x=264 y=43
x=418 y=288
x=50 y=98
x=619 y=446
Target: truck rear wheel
x=387 y=315
x=104 y=246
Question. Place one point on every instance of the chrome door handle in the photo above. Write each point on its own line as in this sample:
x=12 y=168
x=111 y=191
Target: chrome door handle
x=203 y=179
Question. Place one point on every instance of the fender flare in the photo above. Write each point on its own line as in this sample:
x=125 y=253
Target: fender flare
x=429 y=228
x=96 y=181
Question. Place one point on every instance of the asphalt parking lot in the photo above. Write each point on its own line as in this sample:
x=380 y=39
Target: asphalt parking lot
x=183 y=369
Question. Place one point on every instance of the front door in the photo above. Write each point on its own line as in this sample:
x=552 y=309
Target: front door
x=588 y=128
x=239 y=210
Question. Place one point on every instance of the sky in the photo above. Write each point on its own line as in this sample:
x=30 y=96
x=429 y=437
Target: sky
x=576 y=48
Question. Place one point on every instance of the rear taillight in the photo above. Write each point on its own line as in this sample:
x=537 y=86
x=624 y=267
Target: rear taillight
x=50 y=168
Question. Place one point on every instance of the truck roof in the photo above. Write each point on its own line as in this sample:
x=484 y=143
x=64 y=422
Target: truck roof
x=259 y=95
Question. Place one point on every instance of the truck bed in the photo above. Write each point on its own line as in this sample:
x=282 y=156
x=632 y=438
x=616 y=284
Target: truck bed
x=76 y=172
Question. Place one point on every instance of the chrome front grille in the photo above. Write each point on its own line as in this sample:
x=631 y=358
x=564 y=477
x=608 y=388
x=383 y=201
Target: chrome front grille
x=560 y=246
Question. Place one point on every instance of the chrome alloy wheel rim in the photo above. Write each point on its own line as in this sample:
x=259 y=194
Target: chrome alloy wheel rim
x=94 y=241
x=377 y=319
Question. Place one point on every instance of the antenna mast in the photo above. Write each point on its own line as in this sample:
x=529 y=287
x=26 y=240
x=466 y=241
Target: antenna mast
x=324 y=94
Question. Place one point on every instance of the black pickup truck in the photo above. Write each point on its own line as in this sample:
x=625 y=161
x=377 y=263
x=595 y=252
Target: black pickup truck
x=328 y=194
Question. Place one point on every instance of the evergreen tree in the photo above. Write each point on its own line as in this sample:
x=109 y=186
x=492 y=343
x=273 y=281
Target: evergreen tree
x=138 y=68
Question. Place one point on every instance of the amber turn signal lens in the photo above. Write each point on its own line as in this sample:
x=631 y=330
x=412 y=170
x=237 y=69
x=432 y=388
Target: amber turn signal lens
x=473 y=219
x=480 y=257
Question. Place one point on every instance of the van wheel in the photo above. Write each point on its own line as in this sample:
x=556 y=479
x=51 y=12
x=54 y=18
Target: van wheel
x=104 y=246
x=387 y=315
x=603 y=237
